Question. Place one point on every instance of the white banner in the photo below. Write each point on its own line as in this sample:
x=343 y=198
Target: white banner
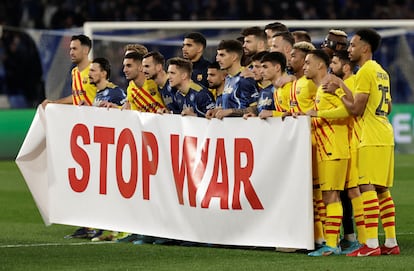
x=231 y=181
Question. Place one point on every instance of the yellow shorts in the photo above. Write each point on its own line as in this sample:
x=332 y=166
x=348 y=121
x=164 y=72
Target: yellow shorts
x=332 y=174
x=352 y=177
x=376 y=165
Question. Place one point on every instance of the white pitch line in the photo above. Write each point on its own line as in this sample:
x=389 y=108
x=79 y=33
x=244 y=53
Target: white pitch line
x=57 y=244
x=111 y=242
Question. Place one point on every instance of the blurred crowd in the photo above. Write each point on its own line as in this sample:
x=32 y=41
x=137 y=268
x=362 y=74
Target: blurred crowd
x=18 y=52
x=58 y=14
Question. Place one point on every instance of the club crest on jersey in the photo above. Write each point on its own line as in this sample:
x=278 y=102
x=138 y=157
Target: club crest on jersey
x=297 y=91
x=192 y=97
x=85 y=80
x=199 y=77
x=265 y=102
x=153 y=91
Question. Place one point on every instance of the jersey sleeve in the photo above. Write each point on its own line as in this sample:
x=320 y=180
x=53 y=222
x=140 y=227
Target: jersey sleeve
x=248 y=92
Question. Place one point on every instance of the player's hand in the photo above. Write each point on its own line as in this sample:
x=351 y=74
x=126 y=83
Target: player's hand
x=249 y=115
x=82 y=102
x=163 y=111
x=188 y=111
x=312 y=113
x=264 y=114
x=286 y=114
x=126 y=106
x=221 y=113
x=211 y=113
x=45 y=102
x=247 y=73
x=331 y=83
x=284 y=80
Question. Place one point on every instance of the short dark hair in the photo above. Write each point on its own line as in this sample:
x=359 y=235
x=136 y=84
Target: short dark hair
x=258 y=56
x=134 y=55
x=232 y=46
x=84 y=40
x=275 y=58
x=302 y=35
x=255 y=31
x=371 y=37
x=182 y=64
x=343 y=56
x=321 y=54
x=287 y=36
x=156 y=56
x=197 y=37
x=276 y=27
x=214 y=65
x=104 y=64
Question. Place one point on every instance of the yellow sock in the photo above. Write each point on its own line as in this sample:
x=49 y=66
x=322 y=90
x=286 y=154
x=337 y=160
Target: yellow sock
x=317 y=227
x=358 y=208
x=333 y=222
x=387 y=212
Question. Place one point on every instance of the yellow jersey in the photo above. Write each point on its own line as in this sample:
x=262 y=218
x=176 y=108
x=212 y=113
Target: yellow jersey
x=373 y=80
x=146 y=98
x=82 y=89
x=302 y=95
x=331 y=135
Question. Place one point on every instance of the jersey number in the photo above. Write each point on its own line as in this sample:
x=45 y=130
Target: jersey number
x=383 y=108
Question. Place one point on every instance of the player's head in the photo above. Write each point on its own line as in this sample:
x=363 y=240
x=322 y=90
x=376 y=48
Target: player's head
x=228 y=53
x=371 y=37
x=296 y=58
x=100 y=69
x=254 y=40
x=215 y=75
x=193 y=46
x=301 y=35
x=273 y=28
x=257 y=65
x=341 y=64
x=273 y=63
x=138 y=48
x=282 y=42
x=363 y=44
x=336 y=40
x=80 y=46
x=316 y=61
x=83 y=39
x=132 y=65
x=179 y=70
x=152 y=64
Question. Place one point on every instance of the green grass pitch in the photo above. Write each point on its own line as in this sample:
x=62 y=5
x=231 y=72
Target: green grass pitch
x=27 y=244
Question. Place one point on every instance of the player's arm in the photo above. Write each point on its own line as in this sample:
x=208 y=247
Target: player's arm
x=354 y=105
x=64 y=100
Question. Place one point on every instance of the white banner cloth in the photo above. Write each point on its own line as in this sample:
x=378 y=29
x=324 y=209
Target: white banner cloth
x=230 y=182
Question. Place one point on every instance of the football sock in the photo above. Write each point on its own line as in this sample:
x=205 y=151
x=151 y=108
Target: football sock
x=371 y=213
x=387 y=213
x=318 y=224
x=358 y=207
x=333 y=223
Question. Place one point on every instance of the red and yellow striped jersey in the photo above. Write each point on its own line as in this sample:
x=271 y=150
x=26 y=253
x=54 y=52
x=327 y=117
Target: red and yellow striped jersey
x=82 y=89
x=146 y=98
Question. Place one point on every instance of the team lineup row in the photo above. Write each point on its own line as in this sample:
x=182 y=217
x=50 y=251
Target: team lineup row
x=272 y=72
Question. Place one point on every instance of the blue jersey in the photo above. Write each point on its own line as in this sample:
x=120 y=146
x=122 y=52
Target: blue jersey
x=199 y=75
x=198 y=98
x=168 y=95
x=111 y=93
x=266 y=99
x=219 y=100
x=239 y=92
